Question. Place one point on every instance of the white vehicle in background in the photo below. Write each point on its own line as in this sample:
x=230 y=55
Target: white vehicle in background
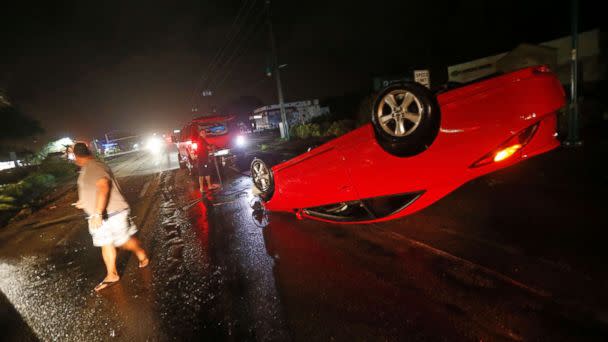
x=110 y=149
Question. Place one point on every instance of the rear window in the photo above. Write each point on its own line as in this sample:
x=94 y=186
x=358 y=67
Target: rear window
x=214 y=129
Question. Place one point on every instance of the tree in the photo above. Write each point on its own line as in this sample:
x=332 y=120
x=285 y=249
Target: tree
x=14 y=124
x=364 y=112
x=346 y=106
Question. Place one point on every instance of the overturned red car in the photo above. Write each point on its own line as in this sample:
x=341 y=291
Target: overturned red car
x=418 y=148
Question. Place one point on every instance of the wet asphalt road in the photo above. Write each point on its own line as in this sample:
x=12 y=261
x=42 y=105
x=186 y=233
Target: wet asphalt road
x=220 y=270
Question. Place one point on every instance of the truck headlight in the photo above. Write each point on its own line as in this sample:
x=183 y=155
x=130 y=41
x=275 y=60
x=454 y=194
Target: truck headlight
x=154 y=145
x=223 y=152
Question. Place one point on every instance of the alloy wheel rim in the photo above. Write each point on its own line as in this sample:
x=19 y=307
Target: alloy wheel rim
x=261 y=176
x=399 y=113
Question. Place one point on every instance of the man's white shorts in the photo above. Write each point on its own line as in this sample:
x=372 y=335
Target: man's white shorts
x=115 y=230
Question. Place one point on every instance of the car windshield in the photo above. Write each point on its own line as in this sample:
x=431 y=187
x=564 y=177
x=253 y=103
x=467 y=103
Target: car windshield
x=214 y=129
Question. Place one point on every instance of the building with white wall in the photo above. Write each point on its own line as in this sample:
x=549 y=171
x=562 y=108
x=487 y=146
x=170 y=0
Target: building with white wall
x=269 y=117
x=554 y=53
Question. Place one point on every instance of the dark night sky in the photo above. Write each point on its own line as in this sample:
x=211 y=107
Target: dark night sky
x=84 y=67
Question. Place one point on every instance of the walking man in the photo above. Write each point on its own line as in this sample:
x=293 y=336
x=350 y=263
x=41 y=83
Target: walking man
x=109 y=223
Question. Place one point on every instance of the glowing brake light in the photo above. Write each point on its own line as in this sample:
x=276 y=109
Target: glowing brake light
x=506 y=153
x=509 y=148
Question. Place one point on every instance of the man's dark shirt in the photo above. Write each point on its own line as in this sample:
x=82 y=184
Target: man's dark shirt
x=203 y=151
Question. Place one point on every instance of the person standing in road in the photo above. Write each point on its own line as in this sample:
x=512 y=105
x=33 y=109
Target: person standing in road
x=110 y=225
x=204 y=165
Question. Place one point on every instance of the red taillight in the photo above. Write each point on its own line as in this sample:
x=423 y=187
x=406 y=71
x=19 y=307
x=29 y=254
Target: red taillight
x=509 y=148
x=194 y=146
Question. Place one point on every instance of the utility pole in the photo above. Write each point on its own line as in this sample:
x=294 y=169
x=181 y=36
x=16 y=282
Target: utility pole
x=573 y=117
x=275 y=68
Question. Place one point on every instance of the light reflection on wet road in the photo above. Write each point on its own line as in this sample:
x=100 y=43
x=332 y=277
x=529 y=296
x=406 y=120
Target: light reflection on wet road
x=47 y=273
x=239 y=248
x=221 y=270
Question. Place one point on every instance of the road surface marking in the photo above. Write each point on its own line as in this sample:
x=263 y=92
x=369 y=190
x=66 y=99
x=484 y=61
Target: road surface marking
x=504 y=248
x=569 y=309
x=472 y=265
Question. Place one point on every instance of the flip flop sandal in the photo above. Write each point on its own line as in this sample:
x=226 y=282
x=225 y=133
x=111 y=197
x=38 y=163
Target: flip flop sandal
x=105 y=285
x=144 y=263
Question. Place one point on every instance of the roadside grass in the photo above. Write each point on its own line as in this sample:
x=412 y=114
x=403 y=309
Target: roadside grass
x=30 y=191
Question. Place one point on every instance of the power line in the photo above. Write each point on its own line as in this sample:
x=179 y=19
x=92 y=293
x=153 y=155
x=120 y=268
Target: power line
x=232 y=33
x=255 y=83
x=232 y=39
x=248 y=40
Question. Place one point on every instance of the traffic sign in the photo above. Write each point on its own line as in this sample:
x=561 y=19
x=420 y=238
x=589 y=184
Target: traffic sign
x=423 y=77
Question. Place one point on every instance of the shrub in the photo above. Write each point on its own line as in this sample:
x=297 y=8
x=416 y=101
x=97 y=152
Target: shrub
x=6 y=199
x=39 y=180
x=322 y=119
x=7 y=207
x=14 y=190
x=339 y=128
x=298 y=131
x=58 y=168
x=26 y=191
x=305 y=131
x=7 y=203
x=315 y=130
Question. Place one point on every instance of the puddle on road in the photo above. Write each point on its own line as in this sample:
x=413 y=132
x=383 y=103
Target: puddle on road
x=214 y=253
x=38 y=288
x=185 y=282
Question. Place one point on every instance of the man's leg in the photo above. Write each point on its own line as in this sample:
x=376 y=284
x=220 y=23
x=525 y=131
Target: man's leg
x=108 y=253
x=208 y=179
x=133 y=245
x=201 y=183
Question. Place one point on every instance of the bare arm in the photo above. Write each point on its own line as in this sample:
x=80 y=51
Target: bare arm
x=101 y=202
x=103 y=194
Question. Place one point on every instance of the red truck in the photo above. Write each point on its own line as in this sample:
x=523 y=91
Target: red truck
x=222 y=134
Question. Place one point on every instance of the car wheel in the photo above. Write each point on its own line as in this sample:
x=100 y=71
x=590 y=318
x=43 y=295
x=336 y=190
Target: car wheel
x=262 y=178
x=406 y=119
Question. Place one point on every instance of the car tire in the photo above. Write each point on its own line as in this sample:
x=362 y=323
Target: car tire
x=406 y=119
x=260 y=171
